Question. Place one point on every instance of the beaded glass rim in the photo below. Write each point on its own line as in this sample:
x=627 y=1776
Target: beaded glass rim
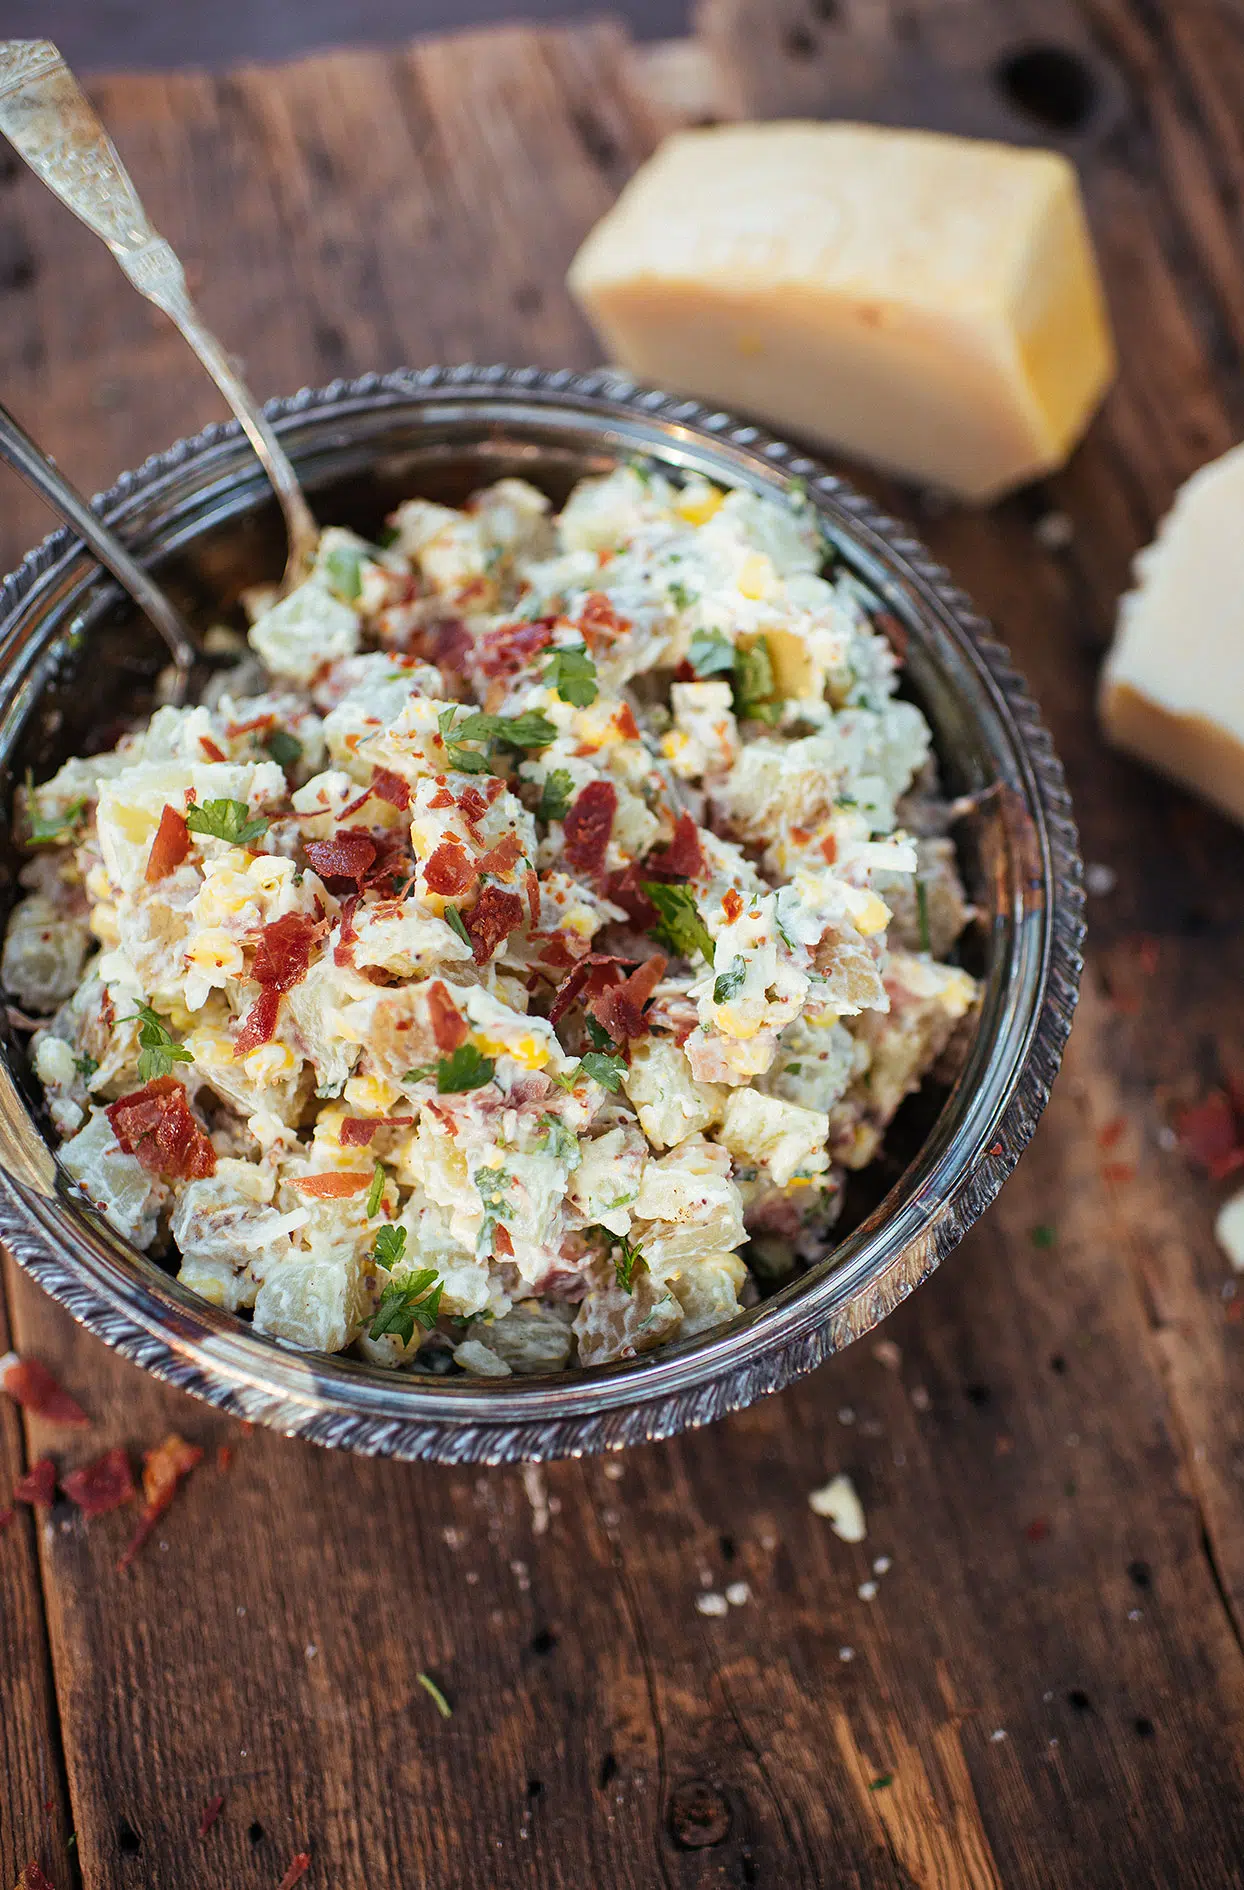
x=988 y=1119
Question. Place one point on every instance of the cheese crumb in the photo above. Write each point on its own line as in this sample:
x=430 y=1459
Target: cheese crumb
x=841 y=1507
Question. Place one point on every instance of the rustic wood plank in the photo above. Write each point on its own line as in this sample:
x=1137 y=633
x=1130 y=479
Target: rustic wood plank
x=35 y=1821
x=1053 y=1469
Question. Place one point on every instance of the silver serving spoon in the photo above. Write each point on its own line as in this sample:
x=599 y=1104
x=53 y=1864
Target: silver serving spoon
x=43 y=474
x=48 y=119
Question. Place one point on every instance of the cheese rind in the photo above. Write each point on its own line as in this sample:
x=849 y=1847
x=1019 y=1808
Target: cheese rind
x=1172 y=690
x=930 y=304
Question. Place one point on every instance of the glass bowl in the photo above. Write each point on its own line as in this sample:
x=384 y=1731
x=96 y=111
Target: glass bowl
x=77 y=662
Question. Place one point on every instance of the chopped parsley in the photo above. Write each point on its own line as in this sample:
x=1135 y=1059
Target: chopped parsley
x=756 y=697
x=387 y=537
x=729 y=983
x=606 y=1070
x=375 y=1196
x=511 y=731
x=625 y=1260
x=343 y=567
x=430 y=1687
x=464 y=1069
x=413 y=1300
x=598 y=1036
x=1043 y=1235
x=493 y=1186
x=86 y=1067
x=284 y=748
x=453 y=919
x=159 y=1050
x=559 y=1141
x=682 y=599
x=922 y=916
x=573 y=674
x=225 y=820
x=680 y=925
x=711 y=654
x=793 y=1069
x=50 y=833
x=555 y=796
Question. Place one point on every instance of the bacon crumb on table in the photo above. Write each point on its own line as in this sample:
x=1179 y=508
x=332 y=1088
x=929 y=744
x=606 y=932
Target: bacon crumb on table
x=38 y=1485
x=32 y=1878
x=6 y=1516
x=164 y=1469
x=32 y=1385
x=105 y=1484
x=299 y=1865
x=211 y=1811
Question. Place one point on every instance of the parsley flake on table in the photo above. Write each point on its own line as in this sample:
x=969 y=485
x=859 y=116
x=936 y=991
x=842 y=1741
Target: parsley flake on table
x=285 y=749
x=711 y=654
x=159 y=1050
x=572 y=673
x=730 y=982
x=1043 y=1235
x=555 y=795
x=438 y=1699
x=225 y=820
x=680 y=925
x=606 y=1070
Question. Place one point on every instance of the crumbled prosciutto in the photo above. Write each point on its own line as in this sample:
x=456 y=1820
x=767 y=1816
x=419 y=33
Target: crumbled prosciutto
x=502 y=1244
x=600 y=622
x=491 y=920
x=170 y=846
x=32 y=1385
x=156 y=1125
x=625 y=889
x=259 y=1024
x=334 y=1184
x=449 y=870
x=164 y=1469
x=358 y=1131
x=592 y=973
x=283 y=953
x=531 y=886
x=683 y=858
x=38 y=1485
x=347 y=938
x=620 y=1008
x=449 y=1026
x=499 y=859
x=390 y=788
x=511 y=646
x=346 y=856
x=588 y=825
x=100 y=1486
x=449 y=645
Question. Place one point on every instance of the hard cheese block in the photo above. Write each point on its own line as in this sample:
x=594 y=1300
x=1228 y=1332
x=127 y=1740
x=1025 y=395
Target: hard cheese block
x=1173 y=686
x=926 y=303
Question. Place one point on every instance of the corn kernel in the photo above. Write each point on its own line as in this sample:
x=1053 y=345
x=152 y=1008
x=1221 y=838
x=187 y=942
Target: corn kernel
x=697 y=509
x=270 y=1063
x=211 y=1049
x=370 y=1095
x=756 y=577
x=103 y=923
x=214 y=950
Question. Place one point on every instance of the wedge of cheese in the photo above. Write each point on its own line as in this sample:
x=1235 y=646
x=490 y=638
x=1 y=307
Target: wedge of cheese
x=1173 y=687
x=928 y=304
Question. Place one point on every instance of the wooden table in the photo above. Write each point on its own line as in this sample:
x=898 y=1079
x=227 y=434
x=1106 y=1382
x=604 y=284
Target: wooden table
x=1046 y=1687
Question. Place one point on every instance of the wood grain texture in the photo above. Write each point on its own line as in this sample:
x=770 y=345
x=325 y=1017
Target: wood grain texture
x=1046 y=1689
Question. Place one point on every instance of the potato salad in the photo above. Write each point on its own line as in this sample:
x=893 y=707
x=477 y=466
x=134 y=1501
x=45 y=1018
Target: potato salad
x=503 y=965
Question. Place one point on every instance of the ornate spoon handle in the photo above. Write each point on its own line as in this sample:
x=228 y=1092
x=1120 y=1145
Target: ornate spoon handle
x=49 y=120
